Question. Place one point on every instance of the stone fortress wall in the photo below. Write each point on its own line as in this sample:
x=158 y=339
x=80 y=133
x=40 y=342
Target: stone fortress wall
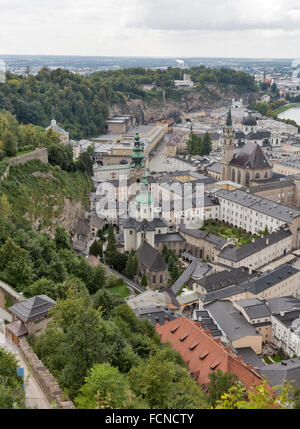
x=43 y=376
x=40 y=154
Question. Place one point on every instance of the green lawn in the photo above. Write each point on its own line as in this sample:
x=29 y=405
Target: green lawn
x=286 y=107
x=267 y=360
x=277 y=357
x=121 y=290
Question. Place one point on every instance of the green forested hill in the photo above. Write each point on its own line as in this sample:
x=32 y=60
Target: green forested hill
x=81 y=104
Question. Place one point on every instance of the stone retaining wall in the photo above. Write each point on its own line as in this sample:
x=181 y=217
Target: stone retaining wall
x=39 y=153
x=43 y=376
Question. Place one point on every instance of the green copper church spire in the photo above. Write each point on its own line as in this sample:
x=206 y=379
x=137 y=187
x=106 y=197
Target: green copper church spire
x=137 y=155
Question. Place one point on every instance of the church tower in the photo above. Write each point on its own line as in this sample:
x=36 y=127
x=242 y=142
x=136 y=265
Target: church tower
x=137 y=166
x=227 y=148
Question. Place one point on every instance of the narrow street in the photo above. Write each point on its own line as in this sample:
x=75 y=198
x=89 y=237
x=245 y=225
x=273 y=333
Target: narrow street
x=34 y=396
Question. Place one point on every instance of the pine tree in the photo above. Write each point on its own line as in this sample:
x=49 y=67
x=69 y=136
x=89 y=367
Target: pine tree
x=96 y=248
x=129 y=271
x=206 y=146
x=165 y=252
x=135 y=265
x=144 y=281
x=111 y=249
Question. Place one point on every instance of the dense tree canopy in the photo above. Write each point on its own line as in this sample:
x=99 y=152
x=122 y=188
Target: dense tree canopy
x=80 y=104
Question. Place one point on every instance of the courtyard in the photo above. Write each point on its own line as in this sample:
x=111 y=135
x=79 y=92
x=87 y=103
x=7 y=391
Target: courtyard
x=224 y=230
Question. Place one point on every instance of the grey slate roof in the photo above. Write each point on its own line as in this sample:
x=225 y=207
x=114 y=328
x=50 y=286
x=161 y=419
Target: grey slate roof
x=239 y=135
x=223 y=293
x=203 y=235
x=262 y=205
x=188 y=273
x=230 y=320
x=33 y=308
x=238 y=253
x=215 y=167
x=207 y=322
x=259 y=135
x=56 y=128
x=17 y=328
x=257 y=284
x=277 y=372
x=150 y=257
x=158 y=222
x=132 y=223
x=254 y=285
x=285 y=303
x=288 y=318
x=255 y=308
x=251 y=156
x=96 y=222
x=145 y=226
x=250 y=357
x=224 y=279
x=169 y=237
x=82 y=227
x=265 y=186
x=156 y=314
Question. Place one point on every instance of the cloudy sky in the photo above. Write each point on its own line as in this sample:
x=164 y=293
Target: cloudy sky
x=186 y=28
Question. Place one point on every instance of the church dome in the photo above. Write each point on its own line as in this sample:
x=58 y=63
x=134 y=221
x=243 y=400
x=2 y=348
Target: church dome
x=250 y=121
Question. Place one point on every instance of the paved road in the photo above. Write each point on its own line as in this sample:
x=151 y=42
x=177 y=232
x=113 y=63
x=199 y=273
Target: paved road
x=34 y=396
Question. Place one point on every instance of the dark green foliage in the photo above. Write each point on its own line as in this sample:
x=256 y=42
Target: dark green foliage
x=62 y=239
x=220 y=383
x=131 y=266
x=85 y=163
x=96 y=248
x=11 y=386
x=111 y=248
x=198 y=146
x=61 y=155
x=206 y=145
x=106 y=301
x=105 y=387
x=119 y=261
x=165 y=384
x=10 y=143
x=144 y=281
x=80 y=104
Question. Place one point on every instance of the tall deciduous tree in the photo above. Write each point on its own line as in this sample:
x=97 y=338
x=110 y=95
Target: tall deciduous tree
x=105 y=387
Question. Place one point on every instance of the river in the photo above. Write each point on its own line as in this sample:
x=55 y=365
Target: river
x=293 y=113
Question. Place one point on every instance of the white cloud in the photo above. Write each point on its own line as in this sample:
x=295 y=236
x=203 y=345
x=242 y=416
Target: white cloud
x=233 y=28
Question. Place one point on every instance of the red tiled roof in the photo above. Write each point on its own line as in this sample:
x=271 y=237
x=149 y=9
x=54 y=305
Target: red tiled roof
x=204 y=353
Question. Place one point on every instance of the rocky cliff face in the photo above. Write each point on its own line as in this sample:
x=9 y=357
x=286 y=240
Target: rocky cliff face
x=65 y=216
x=191 y=101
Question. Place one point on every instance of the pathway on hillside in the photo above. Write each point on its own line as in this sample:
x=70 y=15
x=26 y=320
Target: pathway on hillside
x=34 y=396
x=129 y=282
